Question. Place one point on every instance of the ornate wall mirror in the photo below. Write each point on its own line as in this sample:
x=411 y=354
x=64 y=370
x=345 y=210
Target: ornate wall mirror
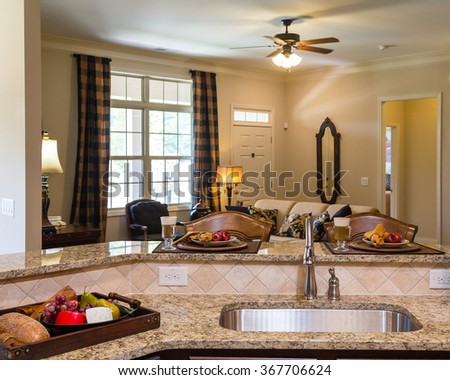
x=328 y=162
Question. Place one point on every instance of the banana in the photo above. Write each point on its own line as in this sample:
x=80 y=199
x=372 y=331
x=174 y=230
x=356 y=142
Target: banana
x=377 y=235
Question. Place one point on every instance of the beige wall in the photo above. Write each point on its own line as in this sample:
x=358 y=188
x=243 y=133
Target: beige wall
x=351 y=99
x=20 y=114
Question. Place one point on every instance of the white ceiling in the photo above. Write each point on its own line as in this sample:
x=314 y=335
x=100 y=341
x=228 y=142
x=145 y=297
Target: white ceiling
x=209 y=28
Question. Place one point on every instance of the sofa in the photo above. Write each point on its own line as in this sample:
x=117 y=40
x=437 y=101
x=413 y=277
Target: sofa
x=292 y=213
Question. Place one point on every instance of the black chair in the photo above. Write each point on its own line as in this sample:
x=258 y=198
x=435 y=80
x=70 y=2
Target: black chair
x=144 y=219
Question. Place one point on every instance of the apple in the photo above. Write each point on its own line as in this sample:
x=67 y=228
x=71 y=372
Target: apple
x=393 y=238
x=225 y=235
x=216 y=236
x=66 y=317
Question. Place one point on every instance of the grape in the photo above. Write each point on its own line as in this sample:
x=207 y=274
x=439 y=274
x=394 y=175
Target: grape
x=63 y=307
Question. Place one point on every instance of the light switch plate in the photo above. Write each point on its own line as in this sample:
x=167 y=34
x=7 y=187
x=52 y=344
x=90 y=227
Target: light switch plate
x=8 y=207
x=364 y=181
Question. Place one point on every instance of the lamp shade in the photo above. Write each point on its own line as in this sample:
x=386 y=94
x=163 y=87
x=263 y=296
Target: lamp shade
x=49 y=156
x=229 y=174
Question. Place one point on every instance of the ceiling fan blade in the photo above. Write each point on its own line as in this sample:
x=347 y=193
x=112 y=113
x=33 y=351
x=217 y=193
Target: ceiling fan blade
x=274 y=53
x=318 y=41
x=253 y=47
x=314 y=49
x=277 y=40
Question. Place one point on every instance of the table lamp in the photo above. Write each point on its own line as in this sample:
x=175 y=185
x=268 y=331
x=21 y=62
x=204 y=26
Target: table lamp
x=229 y=175
x=50 y=165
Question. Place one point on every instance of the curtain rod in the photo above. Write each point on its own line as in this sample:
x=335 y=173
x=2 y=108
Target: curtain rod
x=78 y=54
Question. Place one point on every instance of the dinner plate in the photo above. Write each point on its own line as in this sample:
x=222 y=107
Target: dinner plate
x=218 y=243
x=386 y=245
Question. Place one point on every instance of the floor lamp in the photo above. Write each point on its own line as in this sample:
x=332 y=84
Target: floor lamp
x=50 y=165
x=229 y=175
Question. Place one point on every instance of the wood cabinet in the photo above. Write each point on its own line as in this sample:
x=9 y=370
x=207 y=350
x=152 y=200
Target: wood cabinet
x=71 y=235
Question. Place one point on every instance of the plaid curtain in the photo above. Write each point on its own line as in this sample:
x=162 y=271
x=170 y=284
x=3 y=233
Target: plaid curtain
x=206 y=139
x=89 y=204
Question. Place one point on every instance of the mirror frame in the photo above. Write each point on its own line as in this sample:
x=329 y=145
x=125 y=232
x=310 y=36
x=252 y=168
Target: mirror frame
x=337 y=167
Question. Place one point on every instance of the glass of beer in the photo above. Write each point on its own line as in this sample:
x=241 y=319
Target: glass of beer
x=342 y=233
x=168 y=224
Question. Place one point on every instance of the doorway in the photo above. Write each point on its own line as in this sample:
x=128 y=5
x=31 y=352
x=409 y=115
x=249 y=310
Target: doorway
x=410 y=165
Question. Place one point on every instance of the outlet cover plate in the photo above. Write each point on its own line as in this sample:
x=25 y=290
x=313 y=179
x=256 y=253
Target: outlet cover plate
x=440 y=279
x=173 y=276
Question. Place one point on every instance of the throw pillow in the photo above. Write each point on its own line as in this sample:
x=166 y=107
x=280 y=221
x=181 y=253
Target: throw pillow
x=265 y=215
x=237 y=208
x=294 y=226
x=343 y=212
x=318 y=226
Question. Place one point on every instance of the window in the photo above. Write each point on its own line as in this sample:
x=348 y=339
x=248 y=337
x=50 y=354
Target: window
x=151 y=140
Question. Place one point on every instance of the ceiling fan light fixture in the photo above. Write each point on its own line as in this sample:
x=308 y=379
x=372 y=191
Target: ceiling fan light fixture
x=286 y=60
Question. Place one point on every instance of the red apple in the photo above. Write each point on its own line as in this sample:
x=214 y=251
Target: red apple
x=225 y=235
x=66 y=317
x=216 y=236
x=393 y=238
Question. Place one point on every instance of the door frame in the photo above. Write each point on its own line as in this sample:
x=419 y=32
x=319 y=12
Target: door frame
x=382 y=153
x=394 y=165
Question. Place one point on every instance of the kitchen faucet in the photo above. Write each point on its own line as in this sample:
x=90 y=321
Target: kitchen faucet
x=308 y=260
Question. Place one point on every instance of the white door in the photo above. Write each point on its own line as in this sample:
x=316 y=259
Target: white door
x=252 y=149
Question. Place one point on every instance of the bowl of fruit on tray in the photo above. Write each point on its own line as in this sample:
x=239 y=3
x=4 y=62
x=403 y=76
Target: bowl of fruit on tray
x=220 y=238
x=68 y=312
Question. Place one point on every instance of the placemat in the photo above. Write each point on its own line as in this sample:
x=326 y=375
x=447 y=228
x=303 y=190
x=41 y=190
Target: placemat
x=358 y=247
x=250 y=247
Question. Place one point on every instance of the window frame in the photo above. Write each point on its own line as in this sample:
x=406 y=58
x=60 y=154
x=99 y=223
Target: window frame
x=146 y=106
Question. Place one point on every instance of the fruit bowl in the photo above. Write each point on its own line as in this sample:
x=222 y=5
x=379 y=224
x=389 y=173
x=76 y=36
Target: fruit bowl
x=77 y=327
x=386 y=245
x=215 y=243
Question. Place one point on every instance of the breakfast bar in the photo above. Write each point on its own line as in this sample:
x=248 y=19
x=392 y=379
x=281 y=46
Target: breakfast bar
x=272 y=277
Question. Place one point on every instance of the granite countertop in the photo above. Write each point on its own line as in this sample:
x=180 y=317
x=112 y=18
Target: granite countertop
x=34 y=263
x=192 y=322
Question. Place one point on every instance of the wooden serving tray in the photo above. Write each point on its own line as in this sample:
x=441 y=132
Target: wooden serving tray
x=142 y=319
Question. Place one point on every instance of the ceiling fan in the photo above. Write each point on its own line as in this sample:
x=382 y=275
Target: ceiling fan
x=285 y=42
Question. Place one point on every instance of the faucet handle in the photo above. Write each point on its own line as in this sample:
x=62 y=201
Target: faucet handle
x=333 y=286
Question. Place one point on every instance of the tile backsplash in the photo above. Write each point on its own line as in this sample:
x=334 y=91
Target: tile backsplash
x=226 y=278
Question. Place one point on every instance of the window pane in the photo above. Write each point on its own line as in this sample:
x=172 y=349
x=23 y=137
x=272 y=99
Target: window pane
x=118 y=87
x=250 y=116
x=170 y=145
x=184 y=123
x=134 y=144
x=184 y=94
x=185 y=195
x=184 y=146
x=118 y=143
x=262 y=117
x=118 y=119
x=134 y=120
x=134 y=89
x=157 y=191
x=239 y=116
x=170 y=122
x=170 y=93
x=158 y=170
x=156 y=91
x=156 y=144
x=156 y=121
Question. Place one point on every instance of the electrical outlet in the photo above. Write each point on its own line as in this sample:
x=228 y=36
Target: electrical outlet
x=173 y=276
x=364 y=181
x=8 y=207
x=440 y=279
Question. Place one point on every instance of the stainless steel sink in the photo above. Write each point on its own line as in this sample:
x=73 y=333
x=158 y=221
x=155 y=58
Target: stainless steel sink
x=318 y=320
